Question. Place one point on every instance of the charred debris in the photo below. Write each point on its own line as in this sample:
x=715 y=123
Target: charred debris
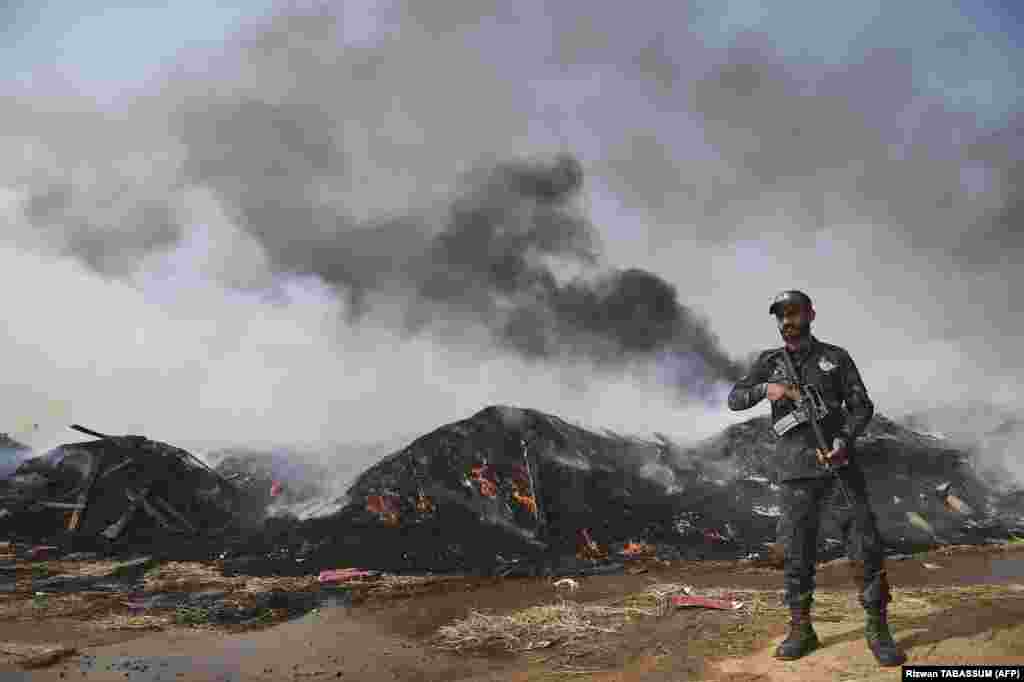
x=115 y=493
x=506 y=491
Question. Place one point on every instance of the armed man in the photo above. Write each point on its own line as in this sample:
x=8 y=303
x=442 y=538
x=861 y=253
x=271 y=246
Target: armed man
x=817 y=416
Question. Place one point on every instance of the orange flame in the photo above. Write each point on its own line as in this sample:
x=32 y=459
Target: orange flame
x=385 y=506
x=637 y=549
x=521 y=494
x=424 y=505
x=588 y=549
x=526 y=501
x=481 y=473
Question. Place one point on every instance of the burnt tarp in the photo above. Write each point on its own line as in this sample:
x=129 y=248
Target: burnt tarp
x=117 y=490
x=509 y=484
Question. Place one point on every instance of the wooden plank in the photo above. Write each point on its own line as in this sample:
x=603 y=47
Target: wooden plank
x=83 y=497
x=166 y=506
x=60 y=505
x=161 y=518
x=113 y=531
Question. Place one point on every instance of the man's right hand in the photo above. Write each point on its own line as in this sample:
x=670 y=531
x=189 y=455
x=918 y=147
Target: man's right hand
x=780 y=391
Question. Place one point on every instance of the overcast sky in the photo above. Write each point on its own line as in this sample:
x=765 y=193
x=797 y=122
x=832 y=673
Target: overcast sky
x=213 y=216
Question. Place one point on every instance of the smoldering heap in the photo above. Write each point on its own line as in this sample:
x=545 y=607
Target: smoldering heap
x=515 y=486
x=118 y=492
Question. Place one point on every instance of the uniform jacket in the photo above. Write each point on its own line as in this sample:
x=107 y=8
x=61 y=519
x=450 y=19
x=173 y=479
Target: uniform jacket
x=832 y=370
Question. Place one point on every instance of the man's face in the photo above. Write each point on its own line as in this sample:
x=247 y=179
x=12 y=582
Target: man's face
x=795 y=321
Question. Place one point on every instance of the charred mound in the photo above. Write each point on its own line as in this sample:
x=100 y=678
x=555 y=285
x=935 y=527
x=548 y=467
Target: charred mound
x=117 y=491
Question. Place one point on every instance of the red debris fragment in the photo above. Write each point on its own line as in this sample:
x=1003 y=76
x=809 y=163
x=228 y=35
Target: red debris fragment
x=41 y=552
x=588 y=549
x=685 y=600
x=276 y=488
x=387 y=506
x=714 y=536
x=482 y=474
x=341 y=575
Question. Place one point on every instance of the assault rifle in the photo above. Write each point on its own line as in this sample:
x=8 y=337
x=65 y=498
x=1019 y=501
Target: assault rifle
x=811 y=402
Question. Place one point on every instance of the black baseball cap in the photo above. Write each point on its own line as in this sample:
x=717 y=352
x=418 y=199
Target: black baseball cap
x=789 y=297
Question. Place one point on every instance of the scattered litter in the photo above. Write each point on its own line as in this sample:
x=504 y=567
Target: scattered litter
x=767 y=510
x=567 y=583
x=931 y=567
x=917 y=521
x=954 y=503
x=82 y=556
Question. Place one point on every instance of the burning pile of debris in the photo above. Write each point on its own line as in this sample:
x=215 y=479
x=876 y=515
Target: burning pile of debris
x=511 y=485
x=116 y=491
x=505 y=489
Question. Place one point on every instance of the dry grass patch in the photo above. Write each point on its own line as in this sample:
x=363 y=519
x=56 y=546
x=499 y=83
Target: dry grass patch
x=120 y=621
x=565 y=622
x=182 y=576
x=533 y=628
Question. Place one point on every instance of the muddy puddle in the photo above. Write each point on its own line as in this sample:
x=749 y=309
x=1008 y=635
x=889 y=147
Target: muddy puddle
x=1008 y=569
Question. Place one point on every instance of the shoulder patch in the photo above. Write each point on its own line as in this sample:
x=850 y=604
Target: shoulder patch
x=826 y=365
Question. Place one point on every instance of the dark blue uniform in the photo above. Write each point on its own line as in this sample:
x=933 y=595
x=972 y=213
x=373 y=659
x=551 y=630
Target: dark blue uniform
x=808 y=488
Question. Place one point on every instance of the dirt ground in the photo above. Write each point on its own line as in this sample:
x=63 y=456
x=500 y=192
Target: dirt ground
x=955 y=605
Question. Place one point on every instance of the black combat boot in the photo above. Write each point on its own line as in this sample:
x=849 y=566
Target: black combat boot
x=801 y=639
x=879 y=638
